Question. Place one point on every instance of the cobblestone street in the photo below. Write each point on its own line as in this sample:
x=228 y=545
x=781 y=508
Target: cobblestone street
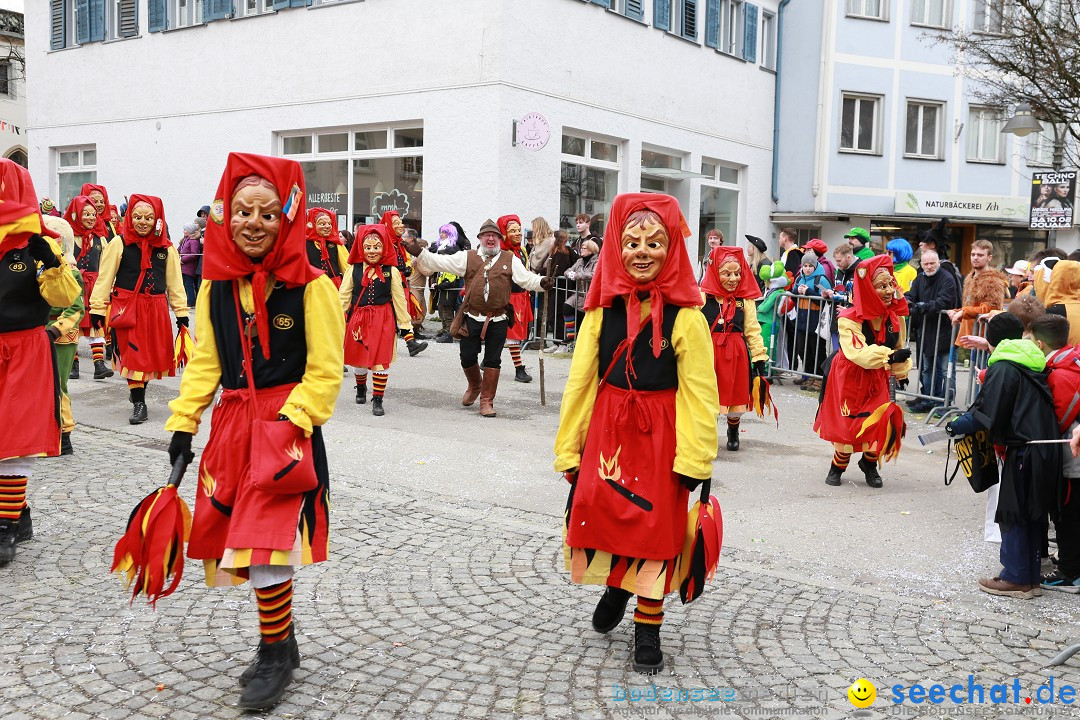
x=445 y=595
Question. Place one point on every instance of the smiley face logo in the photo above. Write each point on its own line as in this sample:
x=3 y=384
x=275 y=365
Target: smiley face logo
x=862 y=693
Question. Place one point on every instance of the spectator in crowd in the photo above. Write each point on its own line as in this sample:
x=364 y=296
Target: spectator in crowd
x=937 y=239
x=558 y=262
x=900 y=252
x=583 y=224
x=860 y=242
x=543 y=239
x=1063 y=296
x=790 y=254
x=756 y=252
x=1042 y=263
x=984 y=289
x=713 y=239
x=809 y=346
x=843 y=286
x=1074 y=255
x=418 y=287
x=581 y=274
x=191 y=252
x=932 y=293
x=1019 y=277
x=347 y=238
x=822 y=251
x=204 y=212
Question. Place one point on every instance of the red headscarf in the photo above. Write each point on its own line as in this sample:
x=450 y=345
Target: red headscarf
x=675 y=285
x=866 y=303
x=334 y=238
x=287 y=260
x=73 y=215
x=395 y=239
x=503 y=223
x=158 y=237
x=103 y=217
x=747 y=289
x=356 y=255
x=17 y=200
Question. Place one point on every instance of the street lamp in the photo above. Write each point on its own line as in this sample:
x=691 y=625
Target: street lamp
x=1023 y=122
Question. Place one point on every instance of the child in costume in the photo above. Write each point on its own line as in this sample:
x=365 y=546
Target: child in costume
x=139 y=280
x=265 y=317
x=373 y=299
x=325 y=248
x=520 y=299
x=774 y=279
x=873 y=348
x=396 y=228
x=728 y=290
x=64 y=326
x=637 y=427
x=900 y=251
x=90 y=239
x=33 y=278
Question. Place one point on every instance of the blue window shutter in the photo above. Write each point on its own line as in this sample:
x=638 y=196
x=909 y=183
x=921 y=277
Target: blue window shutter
x=662 y=14
x=300 y=3
x=82 y=21
x=97 y=20
x=605 y=3
x=217 y=10
x=635 y=9
x=156 y=18
x=281 y=4
x=57 y=24
x=129 y=18
x=712 y=23
x=750 y=24
x=689 y=20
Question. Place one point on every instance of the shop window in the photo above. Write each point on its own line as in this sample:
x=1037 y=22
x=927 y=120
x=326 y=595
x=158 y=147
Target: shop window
x=409 y=138
x=589 y=180
x=574 y=145
x=333 y=142
x=719 y=211
x=607 y=152
x=985 y=141
x=923 y=130
x=860 y=120
x=327 y=183
x=74 y=167
x=383 y=184
x=296 y=145
x=369 y=140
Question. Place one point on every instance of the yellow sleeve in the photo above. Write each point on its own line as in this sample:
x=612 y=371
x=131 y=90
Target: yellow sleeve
x=579 y=396
x=174 y=284
x=856 y=349
x=68 y=322
x=901 y=370
x=345 y=291
x=752 y=332
x=201 y=376
x=697 y=402
x=107 y=267
x=312 y=401
x=397 y=293
x=343 y=260
x=56 y=285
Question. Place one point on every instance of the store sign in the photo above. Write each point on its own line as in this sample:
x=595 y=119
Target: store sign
x=387 y=201
x=320 y=199
x=1052 y=199
x=988 y=207
x=533 y=131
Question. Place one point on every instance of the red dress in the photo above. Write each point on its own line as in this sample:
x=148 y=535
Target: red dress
x=370 y=325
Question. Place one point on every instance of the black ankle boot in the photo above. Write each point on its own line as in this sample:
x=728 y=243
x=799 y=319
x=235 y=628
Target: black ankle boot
x=522 y=375
x=870 y=471
x=610 y=610
x=415 y=348
x=101 y=370
x=833 y=478
x=25 y=530
x=294 y=657
x=361 y=393
x=733 y=437
x=65 y=444
x=648 y=658
x=138 y=405
x=376 y=406
x=8 y=532
x=74 y=374
x=273 y=673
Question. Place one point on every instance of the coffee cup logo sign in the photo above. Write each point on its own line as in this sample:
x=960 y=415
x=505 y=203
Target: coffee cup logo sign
x=393 y=200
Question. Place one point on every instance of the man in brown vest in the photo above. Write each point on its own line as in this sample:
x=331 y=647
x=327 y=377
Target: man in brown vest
x=488 y=272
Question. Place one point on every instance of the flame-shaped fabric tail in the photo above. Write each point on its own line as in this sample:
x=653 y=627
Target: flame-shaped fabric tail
x=152 y=548
x=416 y=310
x=700 y=555
x=183 y=347
x=761 y=397
x=885 y=427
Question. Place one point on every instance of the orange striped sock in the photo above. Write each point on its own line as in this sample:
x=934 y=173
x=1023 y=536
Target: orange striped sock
x=275 y=611
x=409 y=337
x=840 y=460
x=134 y=384
x=570 y=329
x=361 y=379
x=515 y=354
x=378 y=384
x=97 y=351
x=649 y=612
x=12 y=497
x=733 y=421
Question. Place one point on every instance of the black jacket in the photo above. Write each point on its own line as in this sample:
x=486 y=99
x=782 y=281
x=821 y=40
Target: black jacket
x=928 y=297
x=843 y=299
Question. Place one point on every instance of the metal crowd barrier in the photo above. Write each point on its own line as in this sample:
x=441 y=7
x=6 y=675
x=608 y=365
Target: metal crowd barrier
x=556 y=331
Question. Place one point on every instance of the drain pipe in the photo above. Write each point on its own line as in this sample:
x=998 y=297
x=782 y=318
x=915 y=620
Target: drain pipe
x=776 y=100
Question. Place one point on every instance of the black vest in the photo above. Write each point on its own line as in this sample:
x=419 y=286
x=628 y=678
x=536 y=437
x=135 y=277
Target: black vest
x=92 y=259
x=712 y=309
x=288 y=346
x=21 y=304
x=652 y=373
x=892 y=335
x=130 y=267
x=332 y=267
x=520 y=255
x=376 y=293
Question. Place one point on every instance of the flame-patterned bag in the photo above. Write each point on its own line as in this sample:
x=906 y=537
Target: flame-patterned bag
x=281 y=458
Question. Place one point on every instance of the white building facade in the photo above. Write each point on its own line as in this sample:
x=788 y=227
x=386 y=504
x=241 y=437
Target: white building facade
x=878 y=130
x=13 y=132
x=444 y=111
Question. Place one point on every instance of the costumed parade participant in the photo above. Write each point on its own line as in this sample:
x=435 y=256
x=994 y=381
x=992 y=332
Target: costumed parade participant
x=637 y=427
x=447 y=287
x=90 y=232
x=775 y=280
x=64 y=328
x=520 y=300
x=99 y=196
x=729 y=291
x=270 y=334
x=139 y=279
x=857 y=412
x=373 y=299
x=325 y=248
x=488 y=275
x=33 y=278
x=396 y=229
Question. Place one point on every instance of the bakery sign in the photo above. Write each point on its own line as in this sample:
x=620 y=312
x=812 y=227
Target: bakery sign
x=387 y=201
x=986 y=207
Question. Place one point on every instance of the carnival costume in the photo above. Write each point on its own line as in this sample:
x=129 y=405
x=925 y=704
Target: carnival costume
x=64 y=322
x=520 y=299
x=104 y=210
x=873 y=349
x=637 y=427
x=270 y=334
x=405 y=269
x=736 y=335
x=89 y=244
x=326 y=253
x=139 y=279
x=373 y=299
x=33 y=278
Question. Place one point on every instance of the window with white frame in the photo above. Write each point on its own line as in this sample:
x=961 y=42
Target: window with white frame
x=923 y=130
x=990 y=15
x=872 y=9
x=1039 y=151
x=74 y=167
x=768 y=40
x=732 y=32
x=860 y=121
x=247 y=8
x=121 y=19
x=719 y=208
x=931 y=13
x=185 y=13
x=985 y=141
x=589 y=179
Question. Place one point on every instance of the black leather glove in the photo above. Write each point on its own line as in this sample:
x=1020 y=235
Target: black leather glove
x=181 y=322
x=902 y=384
x=97 y=322
x=689 y=483
x=547 y=283
x=900 y=355
x=41 y=251
x=180 y=446
x=761 y=368
x=53 y=331
x=408 y=271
